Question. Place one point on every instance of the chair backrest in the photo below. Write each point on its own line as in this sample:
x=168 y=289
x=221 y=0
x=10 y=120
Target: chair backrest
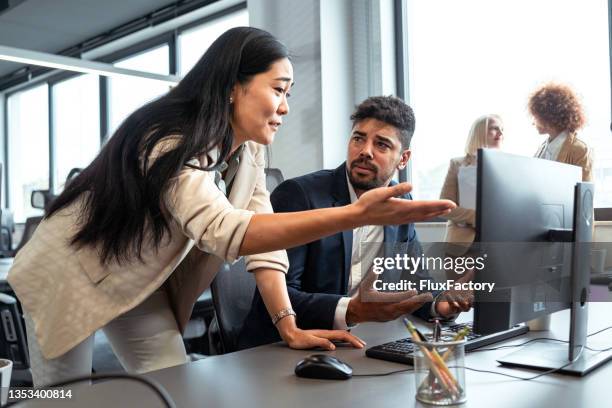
x=273 y=178
x=232 y=293
x=233 y=289
x=28 y=231
x=7 y=227
x=13 y=344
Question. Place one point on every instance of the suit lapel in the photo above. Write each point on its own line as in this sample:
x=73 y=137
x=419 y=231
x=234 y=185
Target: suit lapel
x=391 y=230
x=566 y=147
x=540 y=150
x=341 y=198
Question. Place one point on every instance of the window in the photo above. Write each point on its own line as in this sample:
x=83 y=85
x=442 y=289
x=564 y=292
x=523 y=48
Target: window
x=76 y=124
x=128 y=94
x=28 y=148
x=475 y=57
x=194 y=42
x=76 y=114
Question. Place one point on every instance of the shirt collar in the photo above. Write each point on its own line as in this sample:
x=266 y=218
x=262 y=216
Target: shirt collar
x=352 y=193
x=559 y=139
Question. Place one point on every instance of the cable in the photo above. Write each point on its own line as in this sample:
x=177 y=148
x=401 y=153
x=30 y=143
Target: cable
x=492 y=372
x=157 y=388
x=597 y=332
x=547 y=339
x=532 y=340
x=516 y=376
x=542 y=374
x=384 y=374
x=598 y=350
x=517 y=345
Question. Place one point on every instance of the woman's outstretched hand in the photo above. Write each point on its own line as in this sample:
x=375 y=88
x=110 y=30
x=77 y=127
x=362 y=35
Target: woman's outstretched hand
x=297 y=338
x=380 y=206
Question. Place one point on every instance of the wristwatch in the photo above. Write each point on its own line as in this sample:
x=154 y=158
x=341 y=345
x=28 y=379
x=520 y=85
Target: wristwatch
x=276 y=317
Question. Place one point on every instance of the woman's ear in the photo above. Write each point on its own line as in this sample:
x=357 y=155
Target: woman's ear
x=232 y=97
x=237 y=91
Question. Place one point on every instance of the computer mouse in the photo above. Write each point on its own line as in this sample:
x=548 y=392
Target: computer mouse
x=323 y=366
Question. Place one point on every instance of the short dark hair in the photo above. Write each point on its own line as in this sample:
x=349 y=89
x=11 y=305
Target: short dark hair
x=388 y=109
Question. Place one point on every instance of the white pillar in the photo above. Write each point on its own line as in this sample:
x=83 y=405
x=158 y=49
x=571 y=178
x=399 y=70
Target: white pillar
x=341 y=56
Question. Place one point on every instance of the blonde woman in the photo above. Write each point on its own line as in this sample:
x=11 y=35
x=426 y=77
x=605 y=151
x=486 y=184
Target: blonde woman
x=486 y=131
x=557 y=112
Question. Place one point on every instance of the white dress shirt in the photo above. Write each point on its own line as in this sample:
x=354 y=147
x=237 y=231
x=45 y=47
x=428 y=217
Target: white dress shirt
x=367 y=242
x=551 y=148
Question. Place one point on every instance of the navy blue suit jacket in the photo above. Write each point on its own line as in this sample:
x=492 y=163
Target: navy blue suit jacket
x=318 y=272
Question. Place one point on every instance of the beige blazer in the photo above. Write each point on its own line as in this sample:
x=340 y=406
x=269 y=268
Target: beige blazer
x=69 y=294
x=575 y=151
x=461 y=221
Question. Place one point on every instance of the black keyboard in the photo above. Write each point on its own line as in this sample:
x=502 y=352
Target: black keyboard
x=400 y=351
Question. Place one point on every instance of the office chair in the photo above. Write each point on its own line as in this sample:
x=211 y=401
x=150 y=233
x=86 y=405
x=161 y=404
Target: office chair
x=233 y=289
x=273 y=178
x=232 y=294
x=13 y=341
x=13 y=344
x=30 y=226
x=7 y=228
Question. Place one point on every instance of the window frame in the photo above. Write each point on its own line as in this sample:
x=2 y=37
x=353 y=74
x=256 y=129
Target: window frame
x=6 y=191
x=169 y=38
x=403 y=82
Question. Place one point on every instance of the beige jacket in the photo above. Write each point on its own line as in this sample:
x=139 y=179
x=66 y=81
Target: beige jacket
x=461 y=221
x=70 y=295
x=575 y=151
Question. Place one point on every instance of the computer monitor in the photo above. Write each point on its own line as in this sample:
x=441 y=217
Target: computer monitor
x=535 y=222
x=519 y=200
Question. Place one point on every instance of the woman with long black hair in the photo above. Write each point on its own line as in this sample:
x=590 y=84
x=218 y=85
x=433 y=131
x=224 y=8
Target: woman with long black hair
x=132 y=241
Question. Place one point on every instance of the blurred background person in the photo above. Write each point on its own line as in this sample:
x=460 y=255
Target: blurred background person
x=558 y=113
x=486 y=131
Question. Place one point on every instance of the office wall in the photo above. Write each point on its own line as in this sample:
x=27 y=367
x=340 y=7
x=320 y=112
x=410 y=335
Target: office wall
x=343 y=52
x=2 y=124
x=298 y=147
x=2 y=147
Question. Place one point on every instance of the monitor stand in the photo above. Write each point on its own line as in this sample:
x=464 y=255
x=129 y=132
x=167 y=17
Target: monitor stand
x=546 y=356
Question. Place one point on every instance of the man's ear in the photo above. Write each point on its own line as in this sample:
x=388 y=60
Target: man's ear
x=404 y=159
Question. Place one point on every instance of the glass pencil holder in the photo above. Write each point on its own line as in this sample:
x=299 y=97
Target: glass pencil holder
x=439 y=372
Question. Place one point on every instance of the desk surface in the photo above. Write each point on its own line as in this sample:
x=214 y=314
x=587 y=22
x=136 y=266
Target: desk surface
x=263 y=377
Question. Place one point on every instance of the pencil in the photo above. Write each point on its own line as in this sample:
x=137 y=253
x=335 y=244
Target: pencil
x=458 y=336
x=438 y=368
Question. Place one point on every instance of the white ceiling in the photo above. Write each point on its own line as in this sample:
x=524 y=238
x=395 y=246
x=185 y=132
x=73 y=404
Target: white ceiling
x=54 y=25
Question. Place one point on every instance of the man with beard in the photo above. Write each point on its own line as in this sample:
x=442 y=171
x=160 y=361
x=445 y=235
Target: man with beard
x=324 y=276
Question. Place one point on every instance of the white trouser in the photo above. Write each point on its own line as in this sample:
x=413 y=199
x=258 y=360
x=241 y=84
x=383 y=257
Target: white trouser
x=145 y=338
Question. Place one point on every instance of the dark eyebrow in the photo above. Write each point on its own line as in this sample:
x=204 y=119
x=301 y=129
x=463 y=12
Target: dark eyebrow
x=356 y=132
x=284 y=79
x=385 y=139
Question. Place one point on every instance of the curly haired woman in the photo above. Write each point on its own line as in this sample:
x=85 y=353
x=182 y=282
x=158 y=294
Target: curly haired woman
x=557 y=112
